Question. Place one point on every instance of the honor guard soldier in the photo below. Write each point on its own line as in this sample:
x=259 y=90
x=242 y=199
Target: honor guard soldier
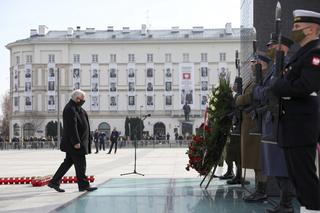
x=273 y=161
x=250 y=144
x=299 y=116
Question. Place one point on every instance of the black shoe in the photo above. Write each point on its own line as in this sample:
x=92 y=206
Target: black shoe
x=255 y=197
x=280 y=209
x=109 y=153
x=234 y=181
x=96 y=152
x=89 y=189
x=228 y=175
x=55 y=187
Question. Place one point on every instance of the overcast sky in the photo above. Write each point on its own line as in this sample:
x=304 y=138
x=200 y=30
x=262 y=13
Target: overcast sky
x=19 y=16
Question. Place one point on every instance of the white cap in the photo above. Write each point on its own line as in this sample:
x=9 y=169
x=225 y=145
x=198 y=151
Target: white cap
x=306 y=16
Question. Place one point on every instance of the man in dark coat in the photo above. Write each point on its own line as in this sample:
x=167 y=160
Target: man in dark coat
x=75 y=143
x=299 y=118
x=114 y=140
x=273 y=161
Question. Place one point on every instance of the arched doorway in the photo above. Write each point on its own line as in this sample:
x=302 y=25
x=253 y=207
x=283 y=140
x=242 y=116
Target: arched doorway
x=104 y=127
x=16 y=130
x=28 y=130
x=159 y=131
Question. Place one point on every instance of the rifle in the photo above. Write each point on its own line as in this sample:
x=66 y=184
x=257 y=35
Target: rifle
x=237 y=112
x=256 y=104
x=274 y=103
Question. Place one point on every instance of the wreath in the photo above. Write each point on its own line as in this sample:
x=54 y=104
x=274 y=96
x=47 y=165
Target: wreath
x=207 y=145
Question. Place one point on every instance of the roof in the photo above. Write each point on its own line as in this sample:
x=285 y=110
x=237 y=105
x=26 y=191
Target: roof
x=131 y=35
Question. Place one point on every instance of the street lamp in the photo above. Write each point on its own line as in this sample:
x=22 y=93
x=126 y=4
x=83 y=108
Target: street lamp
x=58 y=108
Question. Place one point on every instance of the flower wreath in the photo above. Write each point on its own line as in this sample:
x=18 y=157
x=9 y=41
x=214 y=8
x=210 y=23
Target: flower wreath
x=207 y=145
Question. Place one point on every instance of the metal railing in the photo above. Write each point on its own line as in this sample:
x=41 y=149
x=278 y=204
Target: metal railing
x=121 y=144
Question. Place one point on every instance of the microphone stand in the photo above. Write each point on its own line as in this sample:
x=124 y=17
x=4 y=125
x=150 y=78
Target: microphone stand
x=135 y=150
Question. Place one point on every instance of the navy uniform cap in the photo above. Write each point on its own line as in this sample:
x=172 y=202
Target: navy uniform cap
x=306 y=16
x=284 y=40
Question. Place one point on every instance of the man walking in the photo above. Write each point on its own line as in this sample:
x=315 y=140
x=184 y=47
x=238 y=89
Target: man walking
x=75 y=143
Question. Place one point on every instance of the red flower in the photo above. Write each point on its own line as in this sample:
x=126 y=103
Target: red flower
x=197 y=158
x=197 y=139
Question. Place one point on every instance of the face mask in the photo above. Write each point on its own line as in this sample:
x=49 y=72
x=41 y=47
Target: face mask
x=271 y=53
x=298 y=35
x=81 y=102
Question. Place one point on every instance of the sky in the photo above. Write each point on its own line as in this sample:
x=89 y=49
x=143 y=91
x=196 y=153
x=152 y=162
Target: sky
x=19 y=16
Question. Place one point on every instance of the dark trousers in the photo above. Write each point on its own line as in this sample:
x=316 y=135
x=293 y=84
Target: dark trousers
x=302 y=172
x=79 y=162
x=115 y=148
x=286 y=191
x=97 y=146
x=102 y=145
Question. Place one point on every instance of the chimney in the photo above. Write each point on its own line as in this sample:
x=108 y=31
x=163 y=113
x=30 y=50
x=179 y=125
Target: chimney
x=33 y=32
x=197 y=29
x=175 y=29
x=143 y=29
x=43 y=30
x=110 y=29
x=228 y=29
x=125 y=30
x=90 y=30
x=70 y=31
x=78 y=27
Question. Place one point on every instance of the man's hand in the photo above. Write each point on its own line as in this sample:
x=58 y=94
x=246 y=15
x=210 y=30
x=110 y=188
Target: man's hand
x=77 y=146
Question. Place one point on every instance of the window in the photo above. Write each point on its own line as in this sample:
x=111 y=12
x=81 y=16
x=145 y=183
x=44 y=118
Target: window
x=29 y=59
x=113 y=58
x=204 y=71
x=204 y=85
x=204 y=57
x=16 y=101
x=168 y=57
x=17 y=59
x=149 y=100
x=131 y=58
x=168 y=86
x=51 y=58
x=76 y=58
x=222 y=56
x=149 y=72
x=168 y=100
x=185 y=57
x=131 y=101
x=150 y=58
x=94 y=58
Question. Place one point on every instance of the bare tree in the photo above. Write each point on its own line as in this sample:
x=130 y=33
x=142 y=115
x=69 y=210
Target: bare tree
x=6 y=112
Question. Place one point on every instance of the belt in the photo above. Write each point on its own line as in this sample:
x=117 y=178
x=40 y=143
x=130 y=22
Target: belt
x=314 y=94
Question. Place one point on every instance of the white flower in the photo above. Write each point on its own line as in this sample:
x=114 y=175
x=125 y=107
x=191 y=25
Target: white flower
x=215 y=100
x=217 y=92
x=212 y=107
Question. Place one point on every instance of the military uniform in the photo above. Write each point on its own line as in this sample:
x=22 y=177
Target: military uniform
x=272 y=156
x=250 y=145
x=299 y=119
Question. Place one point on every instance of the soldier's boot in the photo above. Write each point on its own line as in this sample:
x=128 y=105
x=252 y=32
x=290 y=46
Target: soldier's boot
x=286 y=194
x=259 y=195
x=229 y=174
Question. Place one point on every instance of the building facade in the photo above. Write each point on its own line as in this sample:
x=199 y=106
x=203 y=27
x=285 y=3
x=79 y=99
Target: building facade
x=125 y=73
